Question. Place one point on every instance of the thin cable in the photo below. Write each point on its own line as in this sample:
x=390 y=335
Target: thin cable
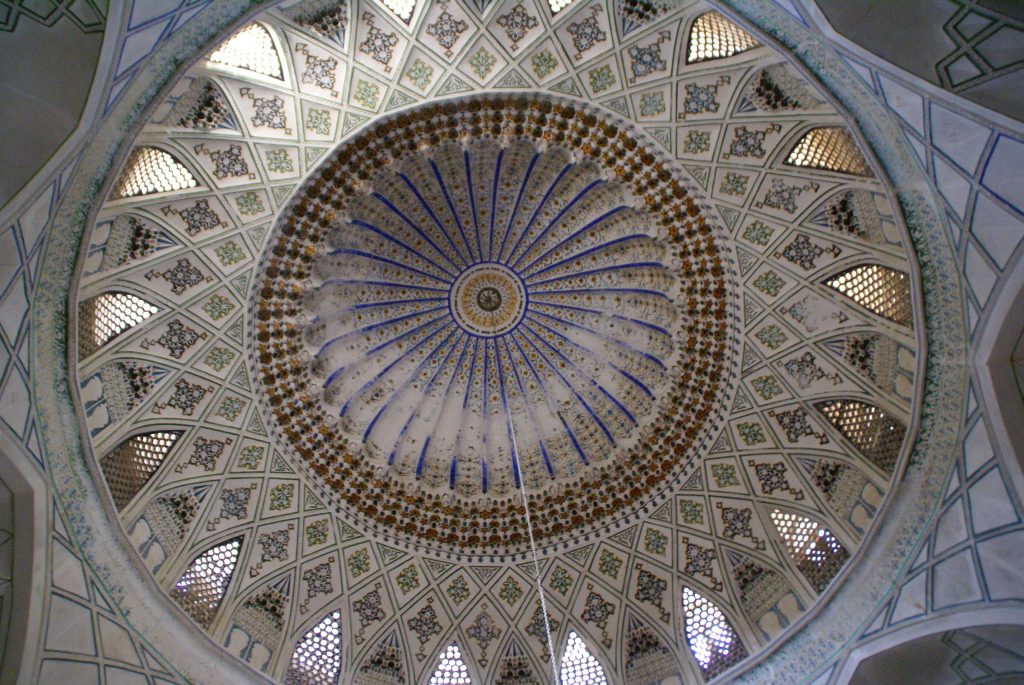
x=533 y=546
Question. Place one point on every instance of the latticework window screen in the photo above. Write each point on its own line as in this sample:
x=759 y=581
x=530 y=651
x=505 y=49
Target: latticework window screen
x=251 y=48
x=878 y=289
x=579 y=666
x=151 y=170
x=817 y=553
x=831 y=148
x=877 y=435
x=402 y=8
x=713 y=642
x=712 y=36
x=104 y=317
x=451 y=669
x=202 y=587
x=317 y=656
x=132 y=463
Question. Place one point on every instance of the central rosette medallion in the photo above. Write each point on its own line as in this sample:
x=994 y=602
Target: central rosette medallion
x=487 y=295
x=487 y=299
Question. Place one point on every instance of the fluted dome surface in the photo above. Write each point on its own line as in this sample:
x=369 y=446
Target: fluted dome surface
x=495 y=294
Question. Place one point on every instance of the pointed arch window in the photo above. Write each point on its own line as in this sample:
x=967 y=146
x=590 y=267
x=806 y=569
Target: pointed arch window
x=579 y=666
x=401 y=8
x=878 y=289
x=451 y=669
x=201 y=589
x=712 y=36
x=874 y=433
x=712 y=640
x=317 y=656
x=131 y=464
x=151 y=170
x=817 y=553
x=831 y=148
x=104 y=317
x=251 y=48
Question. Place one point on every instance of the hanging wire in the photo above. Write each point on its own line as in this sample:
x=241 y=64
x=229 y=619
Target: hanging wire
x=533 y=547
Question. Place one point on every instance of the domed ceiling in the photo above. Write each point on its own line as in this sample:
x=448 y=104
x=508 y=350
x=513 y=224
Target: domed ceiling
x=582 y=332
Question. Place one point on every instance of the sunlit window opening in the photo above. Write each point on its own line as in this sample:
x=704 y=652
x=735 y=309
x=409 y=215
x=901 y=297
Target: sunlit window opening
x=451 y=669
x=831 y=148
x=202 y=587
x=579 y=666
x=878 y=289
x=104 y=317
x=558 y=5
x=250 y=48
x=402 y=8
x=712 y=640
x=713 y=37
x=814 y=549
x=151 y=170
x=317 y=656
x=131 y=464
x=877 y=435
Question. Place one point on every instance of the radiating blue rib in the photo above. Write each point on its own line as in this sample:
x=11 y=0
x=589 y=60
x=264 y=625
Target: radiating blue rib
x=547 y=397
x=388 y=236
x=573 y=390
x=583 y=229
x=452 y=471
x=540 y=205
x=616 y=267
x=610 y=289
x=391 y=303
x=412 y=414
x=580 y=196
x=590 y=250
x=451 y=208
x=508 y=418
x=515 y=210
x=614 y=341
x=582 y=372
x=472 y=202
x=386 y=369
x=465 y=398
x=590 y=353
x=437 y=223
x=494 y=199
x=620 y=317
x=412 y=224
x=383 y=284
x=330 y=379
x=526 y=403
x=408 y=379
x=423 y=453
x=378 y=258
x=374 y=326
